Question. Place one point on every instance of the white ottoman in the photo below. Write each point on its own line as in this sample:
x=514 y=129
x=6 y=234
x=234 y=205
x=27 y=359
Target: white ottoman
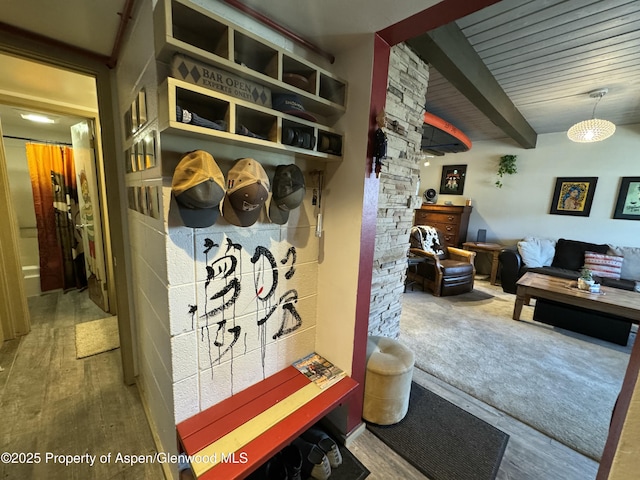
x=387 y=382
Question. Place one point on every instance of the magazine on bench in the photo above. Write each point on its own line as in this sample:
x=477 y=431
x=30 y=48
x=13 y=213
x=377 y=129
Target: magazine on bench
x=319 y=370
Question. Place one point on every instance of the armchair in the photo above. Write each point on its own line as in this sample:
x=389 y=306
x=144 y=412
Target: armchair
x=444 y=270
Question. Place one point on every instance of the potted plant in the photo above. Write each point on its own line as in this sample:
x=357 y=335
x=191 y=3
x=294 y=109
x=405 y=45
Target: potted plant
x=586 y=279
x=507 y=166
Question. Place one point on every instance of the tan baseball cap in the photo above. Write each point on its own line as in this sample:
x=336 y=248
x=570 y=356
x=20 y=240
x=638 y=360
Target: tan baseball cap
x=198 y=186
x=247 y=191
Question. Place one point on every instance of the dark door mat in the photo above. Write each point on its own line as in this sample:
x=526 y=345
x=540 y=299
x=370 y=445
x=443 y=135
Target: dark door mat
x=443 y=441
x=350 y=469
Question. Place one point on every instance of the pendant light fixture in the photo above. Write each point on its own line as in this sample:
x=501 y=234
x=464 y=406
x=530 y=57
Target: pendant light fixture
x=593 y=130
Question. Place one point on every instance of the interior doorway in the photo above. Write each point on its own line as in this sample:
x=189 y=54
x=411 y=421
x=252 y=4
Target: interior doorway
x=67 y=101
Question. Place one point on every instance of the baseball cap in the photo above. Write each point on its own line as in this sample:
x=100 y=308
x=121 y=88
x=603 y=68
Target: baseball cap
x=198 y=186
x=290 y=103
x=287 y=193
x=247 y=192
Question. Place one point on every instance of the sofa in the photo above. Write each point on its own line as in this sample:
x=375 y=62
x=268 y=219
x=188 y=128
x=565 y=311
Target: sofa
x=612 y=266
x=565 y=258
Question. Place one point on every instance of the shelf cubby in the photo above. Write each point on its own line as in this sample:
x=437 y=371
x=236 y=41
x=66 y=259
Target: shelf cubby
x=330 y=143
x=299 y=75
x=258 y=123
x=255 y=55
x=297 y=135
x=190 y=26
x=207 y=107
x=332 y=89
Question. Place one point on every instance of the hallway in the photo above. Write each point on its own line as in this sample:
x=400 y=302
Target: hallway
x=51 y=402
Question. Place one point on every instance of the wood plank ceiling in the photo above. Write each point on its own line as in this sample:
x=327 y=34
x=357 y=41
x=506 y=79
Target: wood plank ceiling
x=547 y=55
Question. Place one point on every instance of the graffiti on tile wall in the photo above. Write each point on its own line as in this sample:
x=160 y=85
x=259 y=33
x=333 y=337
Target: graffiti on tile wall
x=222 y=321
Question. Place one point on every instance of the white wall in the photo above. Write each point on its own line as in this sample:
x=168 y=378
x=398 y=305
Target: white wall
x=342 y=200
x=520 y=208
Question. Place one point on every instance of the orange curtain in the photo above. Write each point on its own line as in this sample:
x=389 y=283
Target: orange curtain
x=53 y=180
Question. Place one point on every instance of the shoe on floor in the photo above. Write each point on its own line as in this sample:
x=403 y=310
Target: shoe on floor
x=315 y=463
x=272 y=469
x=326 y=444
x=292 y=458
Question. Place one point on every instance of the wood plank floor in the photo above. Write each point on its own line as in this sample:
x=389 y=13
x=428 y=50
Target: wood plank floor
x=52 y=402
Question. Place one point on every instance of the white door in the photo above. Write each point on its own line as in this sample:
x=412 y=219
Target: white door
x=90 y=223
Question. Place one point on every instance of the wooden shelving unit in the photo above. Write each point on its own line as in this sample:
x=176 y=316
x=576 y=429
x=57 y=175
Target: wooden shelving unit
x=184 y=28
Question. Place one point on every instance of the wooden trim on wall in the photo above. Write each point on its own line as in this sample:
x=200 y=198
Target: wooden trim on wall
x=620 y=413
x=381 y=55
x=14 y=313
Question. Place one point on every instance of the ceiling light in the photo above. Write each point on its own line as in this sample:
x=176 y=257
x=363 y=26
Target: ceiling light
x=37 y=118
x=595 y=129
x=424 y=157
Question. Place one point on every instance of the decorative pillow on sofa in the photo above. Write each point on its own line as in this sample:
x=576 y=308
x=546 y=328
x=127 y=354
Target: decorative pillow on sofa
x=537 y=252
x=602 y=265
x=570 y=253
x=631 y=264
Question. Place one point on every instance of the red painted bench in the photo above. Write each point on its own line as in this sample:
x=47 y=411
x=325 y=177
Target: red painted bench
x=234 y=437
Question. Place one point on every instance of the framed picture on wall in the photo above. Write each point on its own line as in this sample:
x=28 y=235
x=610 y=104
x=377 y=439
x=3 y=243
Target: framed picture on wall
x=573 y=196
x=452 y=181
x=628 y=204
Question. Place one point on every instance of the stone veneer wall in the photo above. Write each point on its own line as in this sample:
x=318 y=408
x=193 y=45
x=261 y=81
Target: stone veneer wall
x=399 y=188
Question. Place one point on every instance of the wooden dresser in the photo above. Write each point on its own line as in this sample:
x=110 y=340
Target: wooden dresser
x=452 y=220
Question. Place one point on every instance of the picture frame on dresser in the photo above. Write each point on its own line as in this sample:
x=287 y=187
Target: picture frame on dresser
x=628 y=202
x=573 y=196
x=452 y=180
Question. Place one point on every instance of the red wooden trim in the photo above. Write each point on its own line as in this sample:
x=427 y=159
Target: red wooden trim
x=440 y=14
x=367 y=235
x=620 y=413
x=125 y=16
x=243 y=413
x=277 y=437
x=197 y=422
x=439 y=123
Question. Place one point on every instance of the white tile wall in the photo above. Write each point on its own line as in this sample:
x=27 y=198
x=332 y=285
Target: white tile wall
x=224 y=369
x=180 y=301
x=186 y=398
x=180 y=254
x=185 y=364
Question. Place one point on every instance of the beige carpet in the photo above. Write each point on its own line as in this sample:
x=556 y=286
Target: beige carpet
x=562 y=383
x=97 y=336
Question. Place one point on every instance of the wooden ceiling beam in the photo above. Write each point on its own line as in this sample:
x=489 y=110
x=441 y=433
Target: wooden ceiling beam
x=450 y=53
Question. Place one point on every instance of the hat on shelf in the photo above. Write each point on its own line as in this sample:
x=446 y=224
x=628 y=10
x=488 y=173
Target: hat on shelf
x=198 y=186
x=287 y=193
x=291 y=104
x=247 y=192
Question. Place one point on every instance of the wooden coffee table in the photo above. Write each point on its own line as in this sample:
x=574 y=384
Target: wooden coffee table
x=613 y=301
